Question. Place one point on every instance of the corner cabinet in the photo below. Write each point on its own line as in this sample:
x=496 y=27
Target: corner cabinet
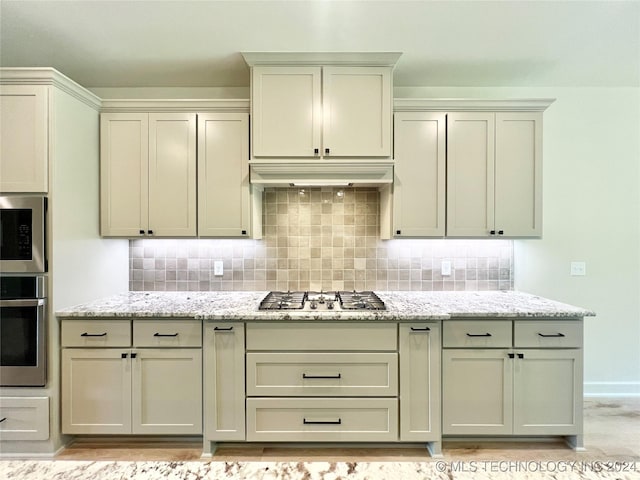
x=148 y=174
x=521 y=377
x=116 y=380
x=24 y=138
x=494 y=174
x=321 y=111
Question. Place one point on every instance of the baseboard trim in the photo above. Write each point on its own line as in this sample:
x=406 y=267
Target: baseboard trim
x=612 y=389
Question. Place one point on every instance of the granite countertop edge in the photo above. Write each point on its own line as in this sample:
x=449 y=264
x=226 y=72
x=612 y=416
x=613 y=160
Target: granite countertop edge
x=401 y=307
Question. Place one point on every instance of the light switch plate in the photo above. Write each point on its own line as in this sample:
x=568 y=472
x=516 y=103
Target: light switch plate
x=218 y=269
x=578 y=269
x=445 y=268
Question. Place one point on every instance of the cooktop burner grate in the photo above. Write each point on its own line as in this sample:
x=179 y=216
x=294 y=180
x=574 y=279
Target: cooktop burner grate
x=342 y=300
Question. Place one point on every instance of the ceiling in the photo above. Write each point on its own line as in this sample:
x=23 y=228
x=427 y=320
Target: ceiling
x=148 y=43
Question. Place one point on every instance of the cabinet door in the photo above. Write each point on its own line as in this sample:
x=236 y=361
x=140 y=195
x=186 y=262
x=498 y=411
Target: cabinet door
x=419 y=382
x=518 y=164
x=470 y=174
x=547 y=393
x=419 y=170
x=167 y=391
x=24 y=146
x=477 y=390
x=223 y=175
x=224 y=380
x=124 y=162
x=96 y=391
x=356 y=111
x=286 y=111
x=172 y=174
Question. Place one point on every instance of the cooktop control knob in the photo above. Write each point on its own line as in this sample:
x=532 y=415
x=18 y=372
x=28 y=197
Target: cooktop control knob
x=330 y=305
x=314 y=305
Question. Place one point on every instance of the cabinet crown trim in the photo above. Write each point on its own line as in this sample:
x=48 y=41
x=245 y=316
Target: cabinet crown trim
x=372 y=59
x=49 y=76
x=175 y=105
x=471 y=104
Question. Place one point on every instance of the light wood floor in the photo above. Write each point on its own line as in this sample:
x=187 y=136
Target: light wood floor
x=612 y=431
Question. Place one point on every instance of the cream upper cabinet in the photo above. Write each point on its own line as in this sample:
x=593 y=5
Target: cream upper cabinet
x=224 y=197
x=494 y=181
x=24 y=142
x=308 y=112
x=148 y=174
x=420 y=173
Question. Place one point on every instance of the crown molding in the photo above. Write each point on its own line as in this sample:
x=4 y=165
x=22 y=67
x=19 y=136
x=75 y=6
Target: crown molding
x=470 y=104
x=175 y=105
x=49 y=76
x=371 y=59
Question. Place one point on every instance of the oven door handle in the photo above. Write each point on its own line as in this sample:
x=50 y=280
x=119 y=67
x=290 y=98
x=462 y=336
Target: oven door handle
x=28 y=302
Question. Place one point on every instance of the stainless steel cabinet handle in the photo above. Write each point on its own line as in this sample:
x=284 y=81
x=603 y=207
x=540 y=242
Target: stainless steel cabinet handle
x=31 y=302
x=304 y=375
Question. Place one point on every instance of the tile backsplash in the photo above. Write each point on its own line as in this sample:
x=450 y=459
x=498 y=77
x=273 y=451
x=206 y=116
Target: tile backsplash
x=320 y=238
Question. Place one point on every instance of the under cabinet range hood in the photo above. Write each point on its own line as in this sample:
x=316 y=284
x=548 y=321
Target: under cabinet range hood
x=324 y=173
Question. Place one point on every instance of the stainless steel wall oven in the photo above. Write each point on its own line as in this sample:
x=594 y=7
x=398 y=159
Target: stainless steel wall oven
x=23 y=246
x=23 y=315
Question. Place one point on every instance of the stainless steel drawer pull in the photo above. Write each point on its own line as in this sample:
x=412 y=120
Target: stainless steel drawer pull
x=478 y=334
x=327 y=422
x=85 y=334
x=304 y=375
x=552 y=335
x=223 y=329
x=165 y=334
x=425 y=329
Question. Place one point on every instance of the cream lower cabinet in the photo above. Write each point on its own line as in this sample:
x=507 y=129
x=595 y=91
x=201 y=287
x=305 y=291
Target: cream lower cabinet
x=224 y=385
x=148 y=174
x=118 y=390
x=531 y=387
x=419 y=352
x=494 y=174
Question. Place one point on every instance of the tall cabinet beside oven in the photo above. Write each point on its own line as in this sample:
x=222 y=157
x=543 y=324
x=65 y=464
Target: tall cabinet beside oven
x=40 y=109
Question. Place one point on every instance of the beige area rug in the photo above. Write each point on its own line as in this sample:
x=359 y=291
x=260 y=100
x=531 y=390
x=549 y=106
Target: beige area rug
x=446 y=470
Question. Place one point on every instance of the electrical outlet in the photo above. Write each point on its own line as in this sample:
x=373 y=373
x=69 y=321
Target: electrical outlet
x=445 y=268
x=218 y=269
x=578 y=269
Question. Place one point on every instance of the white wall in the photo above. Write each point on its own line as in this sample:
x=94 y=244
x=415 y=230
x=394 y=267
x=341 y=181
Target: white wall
x=591 y=213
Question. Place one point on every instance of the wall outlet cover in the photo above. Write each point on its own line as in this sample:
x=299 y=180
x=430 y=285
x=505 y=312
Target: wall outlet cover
x=445 y=268
x=578 y=269
x=218 y=269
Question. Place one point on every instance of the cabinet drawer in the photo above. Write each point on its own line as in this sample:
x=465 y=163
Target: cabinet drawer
x=322 y=374
x=322 y=419
x=167 y=333
x=476 y=333
x=96 y=333
x=27 y=418
x=322 y=336
x=548 y=334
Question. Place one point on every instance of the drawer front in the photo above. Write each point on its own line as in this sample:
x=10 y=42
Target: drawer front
x=322 y=419
x=167 y=333
x=548 y=334
x=476 y=334
x=322 y=374
x=96 y=333
x=26 y=418
x=322 y=336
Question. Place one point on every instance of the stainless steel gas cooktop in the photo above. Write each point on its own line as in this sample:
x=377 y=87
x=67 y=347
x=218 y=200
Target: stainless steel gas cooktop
x=322 y=301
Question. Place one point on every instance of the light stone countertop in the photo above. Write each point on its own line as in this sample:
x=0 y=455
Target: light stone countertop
x=401 y=306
